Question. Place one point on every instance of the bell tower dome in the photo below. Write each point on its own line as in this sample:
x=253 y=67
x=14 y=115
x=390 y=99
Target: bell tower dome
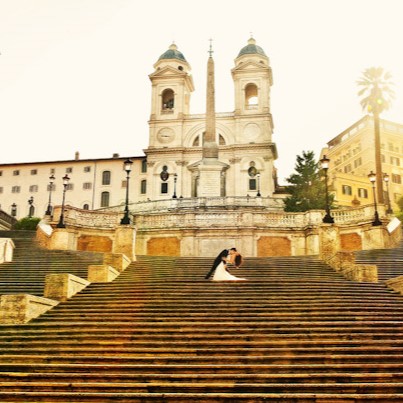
x=172 y=85
x=252 y=77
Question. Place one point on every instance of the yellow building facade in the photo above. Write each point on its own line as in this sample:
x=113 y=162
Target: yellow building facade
x=352 y=158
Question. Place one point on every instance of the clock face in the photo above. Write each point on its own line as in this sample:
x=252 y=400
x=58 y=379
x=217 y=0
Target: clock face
x=251 y=131
x=165 y=135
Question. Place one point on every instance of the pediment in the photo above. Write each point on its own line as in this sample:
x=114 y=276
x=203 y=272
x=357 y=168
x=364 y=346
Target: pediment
x=168 y=71
x=251 y=65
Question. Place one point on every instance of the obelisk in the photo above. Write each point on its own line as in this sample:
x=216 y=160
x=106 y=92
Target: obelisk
x=210 y=169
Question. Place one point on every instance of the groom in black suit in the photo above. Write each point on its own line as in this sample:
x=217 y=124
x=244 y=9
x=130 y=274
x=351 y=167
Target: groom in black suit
x=221 y=257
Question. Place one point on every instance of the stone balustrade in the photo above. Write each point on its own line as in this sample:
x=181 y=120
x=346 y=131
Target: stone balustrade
x=344 y=263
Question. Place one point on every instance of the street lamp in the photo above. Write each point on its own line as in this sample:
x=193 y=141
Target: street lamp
x=49 y=209
x=372 y=179
x=324 y=163
x=386 y=180
x=175 y=179
x=127 y=167
x=13 y=210
x=31 y=207
x=61 y=219
x=258 y=185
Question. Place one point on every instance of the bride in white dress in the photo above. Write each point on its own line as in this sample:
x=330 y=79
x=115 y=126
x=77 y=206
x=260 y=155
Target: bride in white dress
x=221 y=274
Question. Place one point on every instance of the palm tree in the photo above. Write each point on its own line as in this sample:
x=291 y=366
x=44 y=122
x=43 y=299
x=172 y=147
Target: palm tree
x=376 y=88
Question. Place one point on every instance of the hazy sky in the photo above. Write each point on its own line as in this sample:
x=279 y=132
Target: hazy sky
x=74 y=73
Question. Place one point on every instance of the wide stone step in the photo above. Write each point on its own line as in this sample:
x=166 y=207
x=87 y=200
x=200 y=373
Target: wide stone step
x=167 y=359
x=307 y=377
x=50 y=397
x=208 y=350
x=203 y=387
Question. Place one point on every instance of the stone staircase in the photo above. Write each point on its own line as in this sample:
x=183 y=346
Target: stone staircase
x=388 y=261
x=30 y=265
x=296 y=331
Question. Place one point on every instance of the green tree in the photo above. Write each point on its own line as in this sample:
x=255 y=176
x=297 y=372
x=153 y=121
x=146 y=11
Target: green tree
x=308 y=189
x=377 y=95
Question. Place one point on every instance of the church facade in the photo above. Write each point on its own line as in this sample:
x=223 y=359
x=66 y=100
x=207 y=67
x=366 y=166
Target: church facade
x=224 y=154
x=241 y=141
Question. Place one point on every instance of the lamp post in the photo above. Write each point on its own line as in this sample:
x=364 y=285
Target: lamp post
x=386 y=180
x=127 y=167
x=175 y=180
x=258 y=185
x=30 y=208
x=372 y=179
x=13 y=210
x=49 y=209
x=324 y=162
x=60 y=224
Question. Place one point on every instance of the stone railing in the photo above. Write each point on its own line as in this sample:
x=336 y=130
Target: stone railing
x=6 y=221
x=344 y=263
x=271 y=203
x=211 y=212
x=241 y=218
x=101 y=219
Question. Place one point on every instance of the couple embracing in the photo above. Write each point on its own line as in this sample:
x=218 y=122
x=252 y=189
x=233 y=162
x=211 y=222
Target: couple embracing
x=219 y=270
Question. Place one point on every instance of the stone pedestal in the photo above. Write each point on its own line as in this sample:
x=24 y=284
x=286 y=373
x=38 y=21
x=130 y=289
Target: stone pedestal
x=6 y=250
x=63 y=286
x=21 y=308
x=118 y=261
x=125 y=241
x=101 y=273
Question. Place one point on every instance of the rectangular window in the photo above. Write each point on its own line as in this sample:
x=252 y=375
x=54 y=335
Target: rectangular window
x=1 y=190
x=34 y=171
x=363 y=193
x=106 y=177
x=357 y=162
x=143 y=188
x=69 y=186
x=16 y=172
x=16 y=189
x=252 y=184
x=87 y=169
x=69 y=170
x=347 y=169
x=164 y=187
x=105 y=199
x=396 y=179
x=124 y=184
x=144 y=166
x=347 y=190
x=1 y=173
x=53 y=187
x=395 y=161
x=33 y=188
x=87 y=185
x=52 y=171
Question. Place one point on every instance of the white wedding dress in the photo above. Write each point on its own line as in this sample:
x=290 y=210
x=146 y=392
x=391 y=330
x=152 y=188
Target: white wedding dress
x=221 y=274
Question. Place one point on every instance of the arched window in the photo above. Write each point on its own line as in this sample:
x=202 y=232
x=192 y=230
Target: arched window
x=251 y=96
x=106 y=177
x=86 y=206
x=105 y=199
x=143 y=187
x=168 y=100
x=221 y=140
